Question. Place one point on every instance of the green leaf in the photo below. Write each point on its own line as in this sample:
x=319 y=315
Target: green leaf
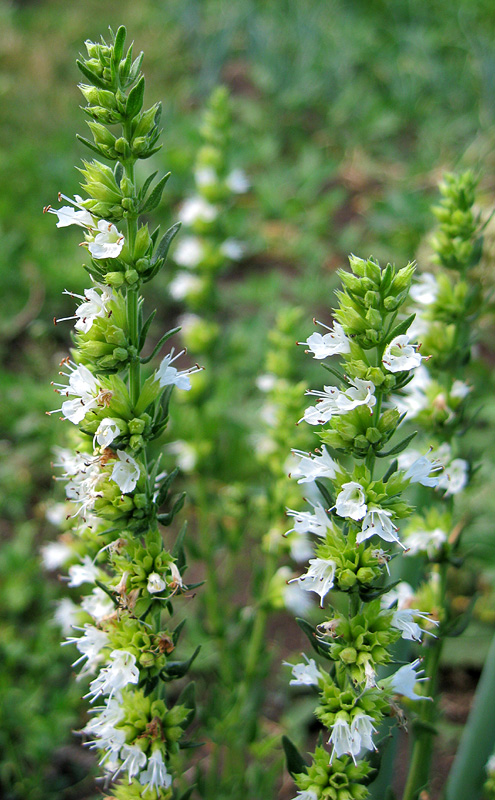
x=146 y=185
x=155 y=197
x=325 y=493
x=392 y=468
x=118 y=47
x=310 y=632
x=398 y=447
x=150 y=685
x=177 y=669
x=295 y=762
x=187 y=794
x=135 y=99
x=89 y=144
x=92 y=78
x=144 y=330
x=118 y=171
x=165 y=242
x=107 y=591
x=333 y=371
x=187 y=698
x=178 y=548
x=178 y=630
x=401 y=328
x=159 y=344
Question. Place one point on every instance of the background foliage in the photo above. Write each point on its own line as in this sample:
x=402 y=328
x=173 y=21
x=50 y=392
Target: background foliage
x=345 y=116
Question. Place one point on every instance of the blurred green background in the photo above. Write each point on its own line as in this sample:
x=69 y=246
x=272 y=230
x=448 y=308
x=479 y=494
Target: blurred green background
x=346 y=115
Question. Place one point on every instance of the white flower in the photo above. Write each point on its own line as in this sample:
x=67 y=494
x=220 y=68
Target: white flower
x=404 y=622
x=419 y=471
x=156 y=775
x=455 y=477
x=404 y=680
x=75 y=214
x=125 y=472
x=56 y=513
x=301 y=548
x=108 y=243
x=103 y=724
x=87 y=572
x=205 y=176
x=402 y=594
x=85 y=389
x=155 y=583
x=319 y=578
x=425 y=289
x=116 y=675
x=333 y=401
x=237 y=181
x=267 y=382
x=414 y=398
x=313 y=466
x=233 y=249
x=90 y=644
x=66 y=614
x=97 y=604
x=460 y=390
x=133 y=760
x=342 y=740
x=55 y=555
x=425 y=541
x=111 y=743
x=306 y=522
x=295 y=599
x=304 y=674
x=107 y=431
x=400 y=356
x=185 y=284
x=184 y=453
x=377 y=522
x=189 y=252
x=328 y=344
x=351 y=501
x=362 y=729
x=308 y=794
x=197 y=208
x=167 y=375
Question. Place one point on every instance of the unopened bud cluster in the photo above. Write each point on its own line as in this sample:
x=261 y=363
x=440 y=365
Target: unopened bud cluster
x=116 y=494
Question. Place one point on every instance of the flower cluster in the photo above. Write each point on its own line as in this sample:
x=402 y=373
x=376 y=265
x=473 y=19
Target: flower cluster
x=356 y=507
x=207 y=248
x=116 y=495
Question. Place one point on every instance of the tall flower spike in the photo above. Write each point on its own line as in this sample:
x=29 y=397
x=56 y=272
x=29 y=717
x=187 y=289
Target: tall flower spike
x=117 y=497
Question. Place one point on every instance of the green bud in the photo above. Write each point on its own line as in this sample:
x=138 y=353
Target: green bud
x=120 y=354
x=136 y=425
x=366 y=575
x=140 y=500
x=142 y=243
x=346 y=579
x=348 y=655
x=115 y=279
x=373 y=435
x=131 y=276
x=136 y=442
x=122 y=147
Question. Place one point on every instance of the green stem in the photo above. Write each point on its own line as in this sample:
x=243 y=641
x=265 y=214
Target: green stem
x=419 y=768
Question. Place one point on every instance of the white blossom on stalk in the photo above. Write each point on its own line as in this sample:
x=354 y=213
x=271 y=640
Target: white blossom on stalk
x=362 y=729
x=107 y=431
x=75 y=214
x=404 y=680
x=343 y=741
x=167 y=375
x=351 y=501
x=126 y=472
x=402 y=594
x=108 y=243
x=197 y=208
x=403 y=620
x=84 y=387
x=313 y=466
x=336 y=402
x=424 y=290
x=328 y=344
x=155 y=583
x=184 y=284
x=306 y=674
x=189 y=252
x=90 y=644
x=378 y=522
x=307 y=794
x=87 y=572
x=455 y=477
x=55 y=555
x=97 y=604
x=419 y=468
x=133 y=760
x=319 y=578
x=400 y=356
x=116 y=675
x=237 y=181
x=108 y=716
x=306 y=522
x=155 y=776
x=233 y=249
x=94 y=306
x=425 y=541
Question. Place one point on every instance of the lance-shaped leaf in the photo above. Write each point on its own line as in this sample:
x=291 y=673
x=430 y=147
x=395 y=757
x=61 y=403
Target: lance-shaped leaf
x=165 y=242
x=295 y=762
x=135 y=99
x=394 y=451
x=155 y=197
x=177 y=669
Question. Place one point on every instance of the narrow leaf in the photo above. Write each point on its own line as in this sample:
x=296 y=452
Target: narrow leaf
x=398 y=447
x=295 y=762
x=144 y=330
x=135 y=99
x=401 y=328
x=146 y=185
x=92 y=78
x=325 y=493
x=155 y=197
x=177 y=669
x=165 y=242
x=118 y=47
x=89 y=144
